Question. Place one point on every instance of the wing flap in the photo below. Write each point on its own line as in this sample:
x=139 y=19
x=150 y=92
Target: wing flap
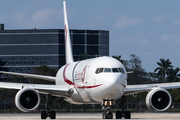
x=48 y=78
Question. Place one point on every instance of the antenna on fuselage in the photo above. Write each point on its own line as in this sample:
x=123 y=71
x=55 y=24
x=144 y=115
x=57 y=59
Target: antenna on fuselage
x=68 y=47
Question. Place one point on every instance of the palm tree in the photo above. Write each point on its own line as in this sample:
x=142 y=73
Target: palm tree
x=174 y=76
x=163 y=70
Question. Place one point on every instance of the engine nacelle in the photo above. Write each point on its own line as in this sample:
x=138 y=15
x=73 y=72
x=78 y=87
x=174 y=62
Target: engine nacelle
x=158 y=99
x=27 y=99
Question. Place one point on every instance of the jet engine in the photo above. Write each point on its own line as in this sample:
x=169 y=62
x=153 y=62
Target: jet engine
x=158 y=99
x=27 y=99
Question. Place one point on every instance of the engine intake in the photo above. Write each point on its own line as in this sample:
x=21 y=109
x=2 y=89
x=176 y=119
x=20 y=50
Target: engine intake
x=27 y=99
x=158 y=99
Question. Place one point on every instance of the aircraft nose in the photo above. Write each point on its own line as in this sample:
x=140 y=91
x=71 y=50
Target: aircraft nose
x=114 y=80
x=115 y=84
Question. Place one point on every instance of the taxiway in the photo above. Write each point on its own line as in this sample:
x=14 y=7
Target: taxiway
x=87 y=116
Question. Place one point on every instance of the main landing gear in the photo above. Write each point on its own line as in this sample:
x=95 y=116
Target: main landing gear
x=49 y=103
x=123 y=113
x=119 y=114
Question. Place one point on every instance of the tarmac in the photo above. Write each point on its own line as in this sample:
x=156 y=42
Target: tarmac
x=88 y=116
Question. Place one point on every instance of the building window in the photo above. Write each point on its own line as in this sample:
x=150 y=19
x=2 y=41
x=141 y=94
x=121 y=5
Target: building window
x=78 y=39
x=92 y=39
x=92 y=50
x=77 y=49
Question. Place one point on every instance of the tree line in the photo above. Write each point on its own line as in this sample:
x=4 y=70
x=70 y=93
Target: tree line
x=163 y=73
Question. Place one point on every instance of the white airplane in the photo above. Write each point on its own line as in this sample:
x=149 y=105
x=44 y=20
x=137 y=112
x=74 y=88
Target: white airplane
x=101 y=80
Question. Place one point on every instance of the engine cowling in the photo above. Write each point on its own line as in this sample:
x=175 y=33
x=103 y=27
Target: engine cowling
x=158 y=99
x=27 y=99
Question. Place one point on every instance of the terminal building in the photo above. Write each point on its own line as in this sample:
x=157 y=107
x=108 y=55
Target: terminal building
x=22 y=50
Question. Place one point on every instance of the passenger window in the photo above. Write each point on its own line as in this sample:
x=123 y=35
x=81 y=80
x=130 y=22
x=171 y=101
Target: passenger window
x=115 y=70
x=101 y=70
x=107 y=70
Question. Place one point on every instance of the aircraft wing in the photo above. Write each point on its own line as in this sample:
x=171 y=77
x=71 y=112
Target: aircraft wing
x=134 y=89
x=54 y=90
x=48 y=78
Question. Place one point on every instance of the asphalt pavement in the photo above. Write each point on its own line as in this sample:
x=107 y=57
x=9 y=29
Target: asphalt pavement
x=87 y=116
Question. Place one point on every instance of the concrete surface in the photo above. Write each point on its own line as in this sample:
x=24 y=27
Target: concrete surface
x=88 y=116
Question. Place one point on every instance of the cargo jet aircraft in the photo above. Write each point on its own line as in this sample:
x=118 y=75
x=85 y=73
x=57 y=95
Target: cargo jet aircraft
x=101 y=80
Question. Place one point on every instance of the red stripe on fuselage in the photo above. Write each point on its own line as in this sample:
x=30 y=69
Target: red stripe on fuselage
x=123 y=85
x=84 y=87
x=75 y=85
x=65 y=79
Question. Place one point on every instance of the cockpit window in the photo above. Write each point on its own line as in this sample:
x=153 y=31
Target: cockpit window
x=121 y=70
x=97 y=71
x=107 y=69
x=101 y=70
x=115 y=70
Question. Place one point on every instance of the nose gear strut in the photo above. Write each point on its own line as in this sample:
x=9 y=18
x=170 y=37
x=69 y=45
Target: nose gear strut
x=107 y=107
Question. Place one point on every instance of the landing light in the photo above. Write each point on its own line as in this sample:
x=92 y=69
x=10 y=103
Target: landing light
x=108 y=103
x=105 y=103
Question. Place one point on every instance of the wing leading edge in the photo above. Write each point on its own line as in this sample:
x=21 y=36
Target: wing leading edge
x=48 y=78
x=54 y=90
x=134 y=89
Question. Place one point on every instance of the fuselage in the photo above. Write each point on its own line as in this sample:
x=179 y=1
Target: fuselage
x=93 y=80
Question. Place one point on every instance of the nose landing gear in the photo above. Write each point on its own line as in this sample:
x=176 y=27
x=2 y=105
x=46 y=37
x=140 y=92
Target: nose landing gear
x=107 y=114
x=119 y=114
x=107 y=107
